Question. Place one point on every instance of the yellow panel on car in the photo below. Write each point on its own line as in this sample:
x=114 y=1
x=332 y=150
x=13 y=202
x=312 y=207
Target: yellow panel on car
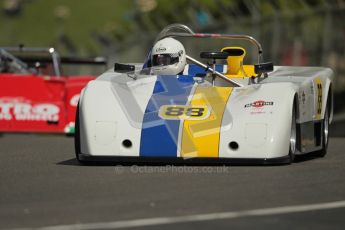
x=200 y=138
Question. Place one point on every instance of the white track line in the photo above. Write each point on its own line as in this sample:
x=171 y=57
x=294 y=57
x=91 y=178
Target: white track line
x=196 y=218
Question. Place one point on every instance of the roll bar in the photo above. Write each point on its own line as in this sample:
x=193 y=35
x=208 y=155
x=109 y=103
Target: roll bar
x=213 y=71
x=185 y=31
x=180 y=30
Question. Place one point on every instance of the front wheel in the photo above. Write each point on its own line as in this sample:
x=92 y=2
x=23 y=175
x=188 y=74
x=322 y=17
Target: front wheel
x=77 y=137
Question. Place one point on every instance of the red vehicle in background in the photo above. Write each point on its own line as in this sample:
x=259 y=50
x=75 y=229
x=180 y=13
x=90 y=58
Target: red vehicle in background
x=39 y=90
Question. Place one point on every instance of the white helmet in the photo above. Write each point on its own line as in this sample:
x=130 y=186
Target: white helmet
x=168 y=57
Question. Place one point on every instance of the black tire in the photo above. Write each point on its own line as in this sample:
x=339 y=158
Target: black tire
x=325 y=132
x=293 y=135
x=77 y=137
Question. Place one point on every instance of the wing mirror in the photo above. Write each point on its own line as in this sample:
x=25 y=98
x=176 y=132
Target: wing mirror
x=263 y=68
x=123 y=68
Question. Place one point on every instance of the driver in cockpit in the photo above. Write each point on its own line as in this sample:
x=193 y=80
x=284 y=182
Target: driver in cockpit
x=168 y=57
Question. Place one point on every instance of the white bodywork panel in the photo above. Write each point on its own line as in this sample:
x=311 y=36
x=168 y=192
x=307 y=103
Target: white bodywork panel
x=255 y=129
x=107 y=121
x=112 y=109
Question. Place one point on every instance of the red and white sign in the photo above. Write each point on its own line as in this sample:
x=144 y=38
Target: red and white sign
x=20 y=110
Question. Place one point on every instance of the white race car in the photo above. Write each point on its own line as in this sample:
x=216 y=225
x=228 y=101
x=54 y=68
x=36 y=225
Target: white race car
x=227 y=112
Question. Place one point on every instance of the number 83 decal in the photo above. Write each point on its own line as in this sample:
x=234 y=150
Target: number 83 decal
x=184 y=112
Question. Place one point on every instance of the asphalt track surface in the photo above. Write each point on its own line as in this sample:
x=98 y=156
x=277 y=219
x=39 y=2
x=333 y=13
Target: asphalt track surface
x=42 y=185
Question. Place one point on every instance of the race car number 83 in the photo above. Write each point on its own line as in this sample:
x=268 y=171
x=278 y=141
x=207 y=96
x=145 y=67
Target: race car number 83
x=183 y=112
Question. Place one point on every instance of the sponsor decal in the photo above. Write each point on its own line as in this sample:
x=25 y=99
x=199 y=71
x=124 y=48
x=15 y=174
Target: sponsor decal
x=258 y=104
x=257 y=107
x=161 y=49
x=319 y=99
x=24 y=110
x=257 y=112
x=303 y=97
x=182 y=112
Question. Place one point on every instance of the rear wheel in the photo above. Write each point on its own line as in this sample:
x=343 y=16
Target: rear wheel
x=293 y=139
x=324 y=133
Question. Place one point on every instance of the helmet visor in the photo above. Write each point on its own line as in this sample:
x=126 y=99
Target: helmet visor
x=163 y=59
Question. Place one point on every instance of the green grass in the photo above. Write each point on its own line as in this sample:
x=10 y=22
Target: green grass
x=39 y=25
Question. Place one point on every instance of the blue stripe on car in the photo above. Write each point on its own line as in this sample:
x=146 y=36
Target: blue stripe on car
x=159 y=137
x=193 y=69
